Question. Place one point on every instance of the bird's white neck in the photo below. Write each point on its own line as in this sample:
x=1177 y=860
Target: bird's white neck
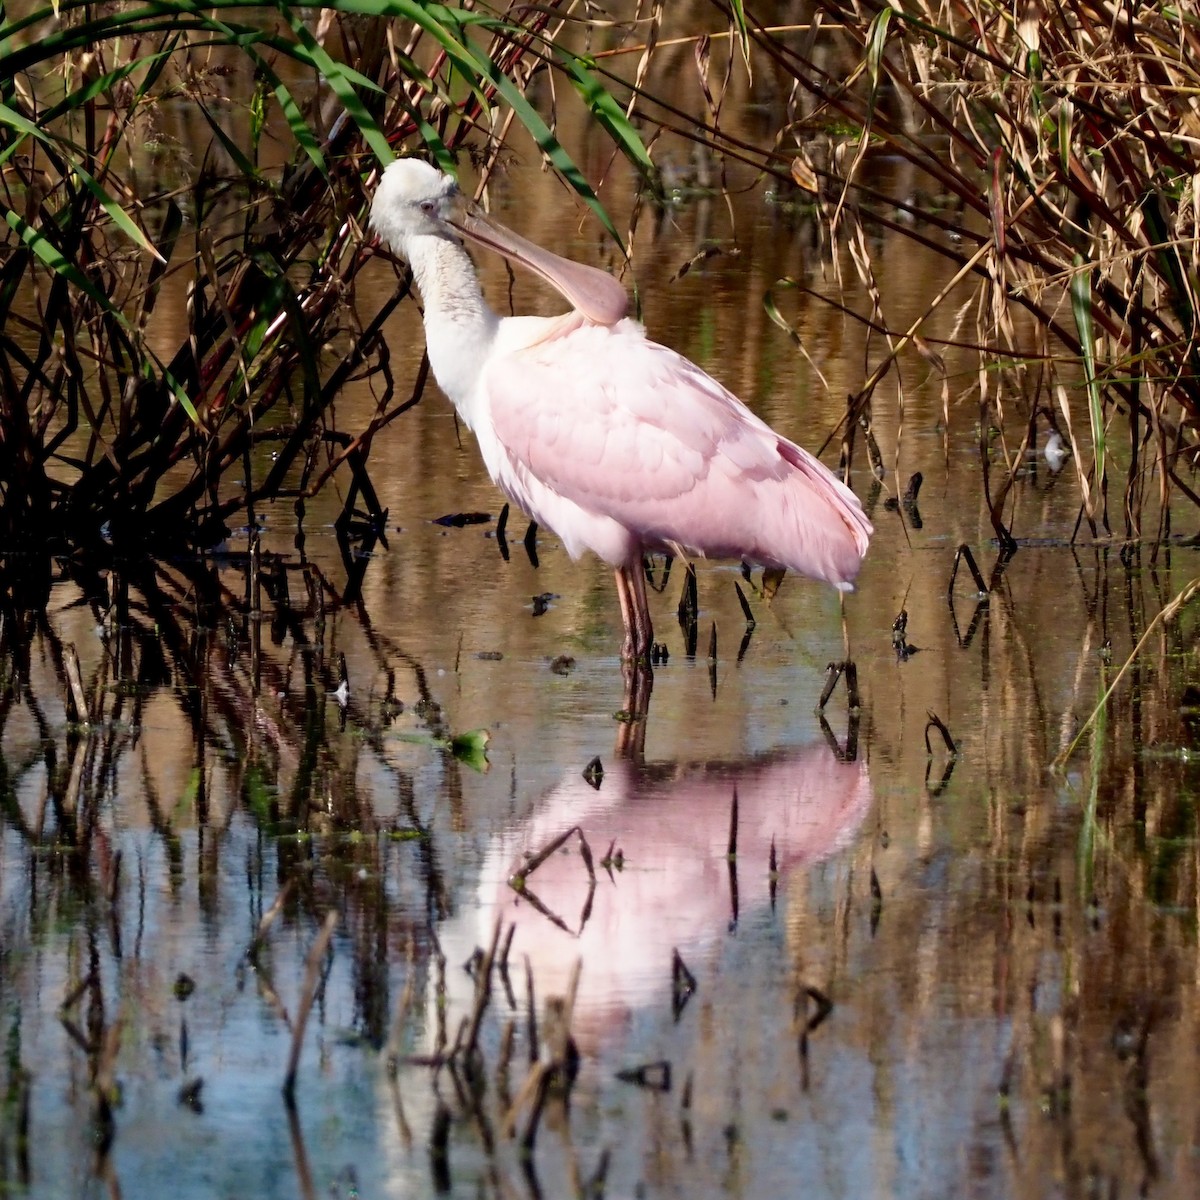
x=459 y=325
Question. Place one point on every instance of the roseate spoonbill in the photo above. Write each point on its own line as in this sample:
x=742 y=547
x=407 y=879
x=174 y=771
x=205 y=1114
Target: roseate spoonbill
x=617 y=444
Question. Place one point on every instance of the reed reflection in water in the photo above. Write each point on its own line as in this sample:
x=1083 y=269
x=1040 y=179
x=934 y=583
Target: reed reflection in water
x=994 y=933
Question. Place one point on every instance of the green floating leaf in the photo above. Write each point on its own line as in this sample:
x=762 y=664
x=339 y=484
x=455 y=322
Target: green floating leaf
x=406 y=834
x=259 y=792
x=471 y=748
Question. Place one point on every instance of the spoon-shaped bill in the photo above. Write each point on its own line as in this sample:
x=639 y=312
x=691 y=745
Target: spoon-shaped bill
x=595 y=293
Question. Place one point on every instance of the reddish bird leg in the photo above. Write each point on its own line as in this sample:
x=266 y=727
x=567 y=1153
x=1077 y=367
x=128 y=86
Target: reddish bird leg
x=635 y=613
x=643 y=630
x=626 y=614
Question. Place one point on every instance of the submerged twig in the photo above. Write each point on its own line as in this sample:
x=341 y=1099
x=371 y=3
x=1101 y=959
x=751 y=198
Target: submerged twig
x=77 y=705
x=746 y=610
x=558 y=1061
x=834 y=671
x=961 y=555
x=683 y=984
x=654 y=1076
x=391 y=1056
x=936 y=722
x=517 y=881
x=483 y=992
x=312 y=974
x=268 y=919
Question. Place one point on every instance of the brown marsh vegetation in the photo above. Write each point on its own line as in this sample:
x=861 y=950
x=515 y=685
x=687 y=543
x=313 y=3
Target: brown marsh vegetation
x=230 y=147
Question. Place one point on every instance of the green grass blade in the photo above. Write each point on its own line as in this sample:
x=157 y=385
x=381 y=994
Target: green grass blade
x=343 y=81
x=1065 y=112
x=1081 y=306
x=447 y=27
x=305 y=138
x=876 y=43
x=50 y=255
x=21 y=125
x=119 y=217
x=738 y=8
x=150 y=63
x=541 y=133
x=179 y=392
x=604 y=107
x=245 y=167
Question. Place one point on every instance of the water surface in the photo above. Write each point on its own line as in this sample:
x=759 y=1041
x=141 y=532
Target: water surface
x=964 y=974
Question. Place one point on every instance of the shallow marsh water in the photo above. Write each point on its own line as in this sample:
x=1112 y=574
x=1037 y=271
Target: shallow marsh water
x=965 y=975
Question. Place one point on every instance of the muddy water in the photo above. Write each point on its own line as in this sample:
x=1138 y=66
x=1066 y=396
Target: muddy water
x=919 y=974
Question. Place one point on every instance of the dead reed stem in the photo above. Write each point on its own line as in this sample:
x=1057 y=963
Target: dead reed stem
x=308 y=991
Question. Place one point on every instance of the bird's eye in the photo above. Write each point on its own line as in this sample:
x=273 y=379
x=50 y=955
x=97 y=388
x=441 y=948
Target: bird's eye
x=428 y=206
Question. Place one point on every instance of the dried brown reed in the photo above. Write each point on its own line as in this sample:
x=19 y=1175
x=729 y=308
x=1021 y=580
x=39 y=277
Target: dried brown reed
x=1054 y=152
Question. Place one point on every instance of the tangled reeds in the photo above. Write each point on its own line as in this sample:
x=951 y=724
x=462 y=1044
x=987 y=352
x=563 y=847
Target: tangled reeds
x=122 y=428
x=1053 y=154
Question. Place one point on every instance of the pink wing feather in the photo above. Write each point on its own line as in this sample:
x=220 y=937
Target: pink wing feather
x=621 y=445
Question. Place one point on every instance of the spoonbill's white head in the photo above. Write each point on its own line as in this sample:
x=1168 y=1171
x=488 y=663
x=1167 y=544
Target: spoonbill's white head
x=416 y=200
x=413 y=199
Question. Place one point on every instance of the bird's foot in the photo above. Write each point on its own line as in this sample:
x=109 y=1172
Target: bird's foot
x=637 y=646
x=639 y=679
x=635 y=708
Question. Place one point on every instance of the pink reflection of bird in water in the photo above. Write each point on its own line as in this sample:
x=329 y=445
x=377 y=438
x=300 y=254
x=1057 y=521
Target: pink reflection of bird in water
x=674 y=890
x=617 y=444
